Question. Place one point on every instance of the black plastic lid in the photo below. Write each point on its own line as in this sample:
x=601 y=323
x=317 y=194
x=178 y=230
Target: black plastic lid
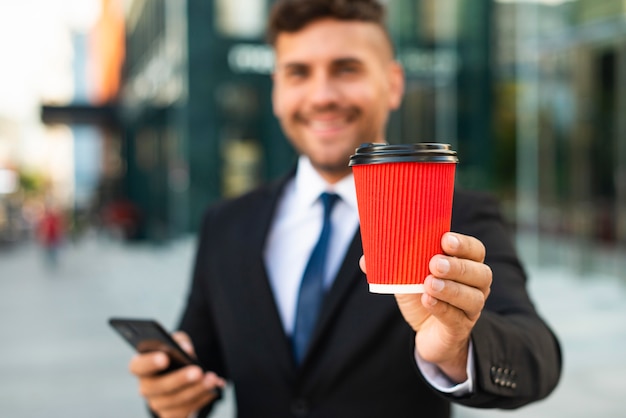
x=424 y=152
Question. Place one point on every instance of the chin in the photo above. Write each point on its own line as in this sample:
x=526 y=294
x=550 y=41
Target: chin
x=336 y=165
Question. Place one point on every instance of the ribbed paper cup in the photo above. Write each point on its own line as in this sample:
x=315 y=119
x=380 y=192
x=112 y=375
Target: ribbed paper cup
x=404 y=195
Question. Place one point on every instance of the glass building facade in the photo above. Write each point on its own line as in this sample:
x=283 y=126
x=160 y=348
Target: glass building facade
x=529 y=92
x=196 y=108
x=575 y=85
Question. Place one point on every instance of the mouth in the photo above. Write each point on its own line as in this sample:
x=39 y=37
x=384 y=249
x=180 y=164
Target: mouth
x=329 y=123
x=327 y=126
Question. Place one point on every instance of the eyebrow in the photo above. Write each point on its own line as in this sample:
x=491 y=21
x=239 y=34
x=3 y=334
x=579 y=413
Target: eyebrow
x=346 y=61
x=334 y=63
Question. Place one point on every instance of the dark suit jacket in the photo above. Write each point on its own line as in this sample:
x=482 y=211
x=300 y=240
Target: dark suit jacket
x=361 y=362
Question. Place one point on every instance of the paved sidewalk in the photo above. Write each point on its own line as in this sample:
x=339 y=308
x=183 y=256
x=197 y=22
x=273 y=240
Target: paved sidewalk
x=59 y=358
x=589 y=316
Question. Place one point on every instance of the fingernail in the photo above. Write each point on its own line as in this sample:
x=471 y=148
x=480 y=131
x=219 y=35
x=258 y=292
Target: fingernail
x=193 y=374
x=437 y=285
x=208 y=381
x=186 y=346
x=211 y=380
x=453 y=242
x=160 y=360
x=443 y=265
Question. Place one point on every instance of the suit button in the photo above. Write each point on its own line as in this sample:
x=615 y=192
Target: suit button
x=300 y=407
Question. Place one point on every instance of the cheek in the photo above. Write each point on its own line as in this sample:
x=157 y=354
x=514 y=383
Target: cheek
x=284 y=101
x=368 y=97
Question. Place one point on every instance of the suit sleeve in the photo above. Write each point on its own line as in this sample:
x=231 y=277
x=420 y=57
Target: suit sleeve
x=198 y=319
x=517 y=356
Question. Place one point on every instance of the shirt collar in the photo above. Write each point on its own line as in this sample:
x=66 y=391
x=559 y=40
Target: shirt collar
x=309 y=185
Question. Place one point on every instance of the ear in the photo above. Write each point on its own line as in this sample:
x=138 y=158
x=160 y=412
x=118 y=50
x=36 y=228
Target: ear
x=396 y=85
x=274 y=95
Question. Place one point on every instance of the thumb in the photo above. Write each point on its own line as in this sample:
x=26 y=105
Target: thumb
x=183 y=340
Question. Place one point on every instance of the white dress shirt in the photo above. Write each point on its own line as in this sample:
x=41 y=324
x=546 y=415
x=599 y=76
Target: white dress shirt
x=295 y=230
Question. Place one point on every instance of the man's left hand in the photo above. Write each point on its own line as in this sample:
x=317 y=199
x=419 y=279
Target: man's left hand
x=454 y=296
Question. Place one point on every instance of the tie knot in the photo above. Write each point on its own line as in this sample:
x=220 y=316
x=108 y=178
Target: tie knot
x=328 y=200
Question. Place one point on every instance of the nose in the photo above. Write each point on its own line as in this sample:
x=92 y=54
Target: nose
x=323 y=91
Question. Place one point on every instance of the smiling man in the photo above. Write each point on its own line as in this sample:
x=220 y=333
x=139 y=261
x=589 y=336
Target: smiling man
x=334 y=85
x=295 y=343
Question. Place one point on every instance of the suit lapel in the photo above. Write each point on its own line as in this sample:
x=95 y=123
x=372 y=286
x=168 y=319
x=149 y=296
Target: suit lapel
x=348 y=276
x=276 y=342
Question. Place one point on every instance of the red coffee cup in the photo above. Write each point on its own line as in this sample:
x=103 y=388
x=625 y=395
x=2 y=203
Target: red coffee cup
x=404 y=194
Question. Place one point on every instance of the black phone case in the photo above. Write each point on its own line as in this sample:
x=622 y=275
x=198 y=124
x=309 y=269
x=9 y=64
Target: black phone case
x=147 y=335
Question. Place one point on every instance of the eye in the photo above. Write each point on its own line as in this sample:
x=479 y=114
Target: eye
x=296 y=72
x=347 y=69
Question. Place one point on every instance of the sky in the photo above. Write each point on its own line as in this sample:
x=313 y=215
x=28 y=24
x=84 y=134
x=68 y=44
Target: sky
x=36 y=64
x=36 y=51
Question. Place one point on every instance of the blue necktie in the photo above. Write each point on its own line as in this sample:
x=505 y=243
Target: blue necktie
x=311 y=291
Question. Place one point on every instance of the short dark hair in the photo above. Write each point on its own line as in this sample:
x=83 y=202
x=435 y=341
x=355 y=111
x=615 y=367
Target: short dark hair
x=292 y=15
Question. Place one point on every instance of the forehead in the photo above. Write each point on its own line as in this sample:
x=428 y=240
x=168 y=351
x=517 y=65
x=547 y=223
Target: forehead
x=330 y=39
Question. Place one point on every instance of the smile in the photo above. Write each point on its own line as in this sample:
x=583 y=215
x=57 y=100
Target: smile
x=328 y=125
x=329 y=122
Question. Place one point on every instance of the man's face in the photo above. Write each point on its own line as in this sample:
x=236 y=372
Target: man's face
x=334 y=85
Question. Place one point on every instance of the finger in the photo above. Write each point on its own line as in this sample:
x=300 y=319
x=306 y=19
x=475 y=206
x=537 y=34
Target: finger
x=171 y=382
x=213 y=381
x=362 y=264
x=183 y=410
x=452 y=302
x=468 y=272
x=148 y=364
x=412 y=309
x=186 y=410
x=183 y=340
x=189 y=397
x=463 y=246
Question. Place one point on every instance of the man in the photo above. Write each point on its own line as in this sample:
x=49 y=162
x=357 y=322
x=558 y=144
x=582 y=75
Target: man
x=472 y=337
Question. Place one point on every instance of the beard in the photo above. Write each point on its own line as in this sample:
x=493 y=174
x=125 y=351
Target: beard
x=348 y=113
x=332 y=154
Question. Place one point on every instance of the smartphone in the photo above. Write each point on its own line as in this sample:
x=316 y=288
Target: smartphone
x=147 y=335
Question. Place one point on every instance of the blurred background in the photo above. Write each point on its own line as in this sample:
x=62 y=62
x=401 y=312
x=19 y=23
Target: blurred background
x=121 y=120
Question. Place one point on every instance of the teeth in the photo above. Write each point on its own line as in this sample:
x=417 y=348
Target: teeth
x=325 y=125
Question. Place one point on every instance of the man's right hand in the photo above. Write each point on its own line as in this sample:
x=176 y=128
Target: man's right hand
x=177 y=394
